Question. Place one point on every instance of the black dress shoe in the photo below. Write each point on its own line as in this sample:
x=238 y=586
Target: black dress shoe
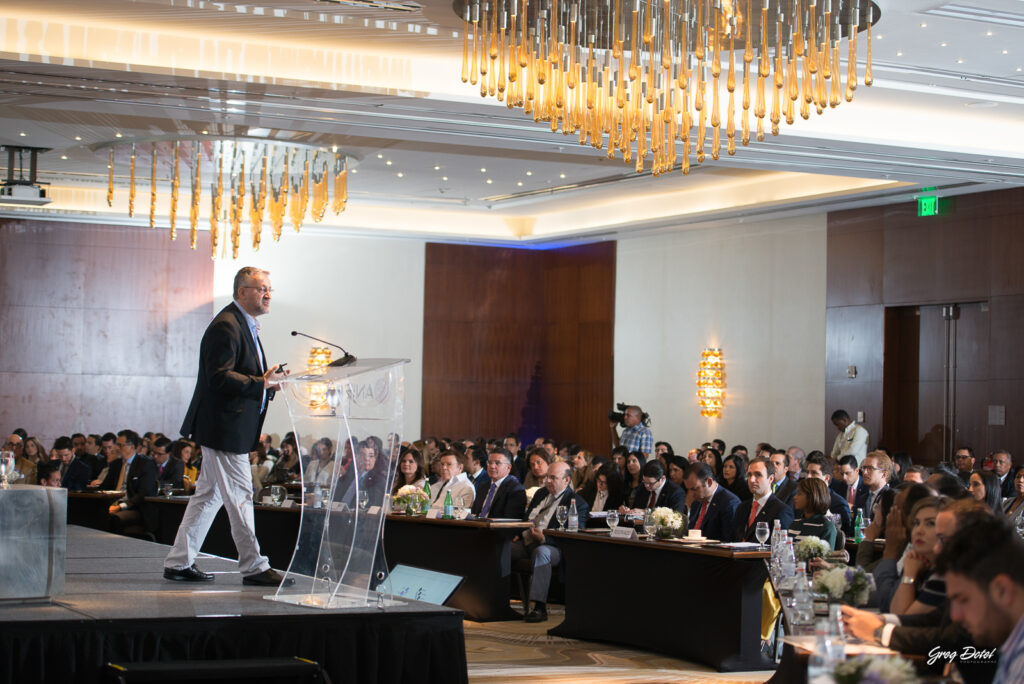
x=192 y=574
x=268 y=578
x=537 y=615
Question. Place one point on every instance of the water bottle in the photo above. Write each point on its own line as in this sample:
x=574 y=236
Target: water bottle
x=836 y=633
x=803 y=603
x=448 y=507
x=317 y=496
x=787 y=565
x=858 y=527
x=426 y=501
x=574 y=518
x=822 y=660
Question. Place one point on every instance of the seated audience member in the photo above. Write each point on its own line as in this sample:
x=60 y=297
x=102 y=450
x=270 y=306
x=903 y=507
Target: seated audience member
x=454 y=480
x=796 y=462
x=476 y=460
x=260 y=465
x=850 y=485
x=741 y=451
x=410 y=470
x=712 y=458
x=676 y=470
x=763 y=506
x=714 y=507
x=661 y=493
x=923 y=633
x=867 y=557
x=664 y=450
x=93 y=456
x=915 y=473
x=74 y=471
x=132 y=515
x=538 y=460
x=619 y=455
x=372 y=478
x=734 y=476
x=286 y=467
x=819 y=466
x=1002 y=466
x=535 y=545
x=782 y=487
x=184 y=451
x=501 y=495
x=636 y=495
x=984 y=487
x=901 y=463
x=24 y=467
x=810 y=503
x=321 y=463
x=268 y=446
x=169 y=470
x=1014 y=507
x=513 y=445
x=48 y=474
x=983 y=564
x=920 y=589
x=875 y=471
x=963 y=460
x=605 y=491
x=110 y=475
x=580 y=459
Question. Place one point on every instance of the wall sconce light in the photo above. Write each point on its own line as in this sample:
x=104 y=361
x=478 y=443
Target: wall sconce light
x=711 y=383
x=319 y=357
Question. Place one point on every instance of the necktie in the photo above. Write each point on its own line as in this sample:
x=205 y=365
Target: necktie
x=700 y=518
x=851 y=495
x=120 y=477
x=486 y=508
x=439 y=490
x=753 y=513
x=652 y=499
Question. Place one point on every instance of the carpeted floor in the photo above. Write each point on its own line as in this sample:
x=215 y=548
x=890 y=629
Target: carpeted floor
x=499 y=652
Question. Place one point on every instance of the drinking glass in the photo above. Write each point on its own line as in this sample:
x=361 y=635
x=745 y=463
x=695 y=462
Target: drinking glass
x=6 y=467
x=166 y=488
x=364 y=499
x=613 y=520
x=277 y=494
x=1020 y=526
x=762 y=533
x=562 y=515
x=649 y=525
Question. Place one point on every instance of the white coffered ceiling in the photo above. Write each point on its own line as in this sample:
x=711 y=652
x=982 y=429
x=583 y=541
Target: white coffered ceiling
x=381 y=81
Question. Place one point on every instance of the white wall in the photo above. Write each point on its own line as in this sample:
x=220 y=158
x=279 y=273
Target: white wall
x=757 y=290
x=362 y=293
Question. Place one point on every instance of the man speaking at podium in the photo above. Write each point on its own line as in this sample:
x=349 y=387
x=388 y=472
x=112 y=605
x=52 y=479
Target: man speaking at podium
x=225 y=417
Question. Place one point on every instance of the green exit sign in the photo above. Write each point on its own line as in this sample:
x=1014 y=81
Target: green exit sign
x=928 y=206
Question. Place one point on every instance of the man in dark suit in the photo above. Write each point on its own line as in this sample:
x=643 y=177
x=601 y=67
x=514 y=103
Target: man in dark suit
x=540 y=549
x=783 y=487
x=168 y=470
x=233 y=387
x=132 y=515
x=820 y=466
x=764 y=507
x=75 y=473
x=875 y=472
x=501 y=495
x=851 y=486
x=714 y=507
x=1002 y=466
x=661 y=492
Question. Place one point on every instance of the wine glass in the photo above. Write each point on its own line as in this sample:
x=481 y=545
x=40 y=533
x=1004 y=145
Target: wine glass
x=364 y=499
x=277 y=494
x=649 y=525
x=166 y=488
x=613 y=520
x=6 y=467
x=762 y=533
x=562 y=515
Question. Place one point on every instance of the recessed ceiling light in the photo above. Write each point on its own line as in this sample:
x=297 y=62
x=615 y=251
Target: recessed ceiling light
x=205 y=132
x=63 y=156
x=519 y=183
x=489 y=181
x=529 y=173
x=561 y=175
x=483 y=170
x=1020 y=68
x=380 y=156
x=117 y=135
x=400 y=174
x=879 y=37
x=258 y=132
x=444 y=178
x=942 y=44
x=899 y=53
x=959 y=61
x=388 y=162
x=988 y=33
x=1006 y=52
x=334 y=148
x=355 y=170
x=78 y=137
x=22 y=133
x=437 y=167
x=924 y=25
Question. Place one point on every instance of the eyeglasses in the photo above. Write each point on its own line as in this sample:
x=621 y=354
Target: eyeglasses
x=651 y=485
x=867 y=468
x=262 y=290
x=962 y=457
x=497 y=464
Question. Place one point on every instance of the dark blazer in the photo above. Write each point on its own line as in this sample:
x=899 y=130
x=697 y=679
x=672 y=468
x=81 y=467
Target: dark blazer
x=113 y=475
x=739 y=488
x=773 y=509
x=672 y=496
x=582 y=509
x=174 y=473
x=838 y=505
x=918 y=634
x=225 y=410
x=139 y=483
x=718 y=521
x=862 y=498
x=509 y=499
x=77 y=476
x=1006 y=489
x=785 y=491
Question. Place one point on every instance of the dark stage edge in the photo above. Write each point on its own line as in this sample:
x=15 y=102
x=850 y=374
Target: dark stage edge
x=116 y=607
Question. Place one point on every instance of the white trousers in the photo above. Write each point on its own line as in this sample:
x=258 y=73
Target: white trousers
x=225 y=480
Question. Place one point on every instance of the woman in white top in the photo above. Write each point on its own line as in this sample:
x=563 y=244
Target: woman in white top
x=321 y=464
x=451 y=465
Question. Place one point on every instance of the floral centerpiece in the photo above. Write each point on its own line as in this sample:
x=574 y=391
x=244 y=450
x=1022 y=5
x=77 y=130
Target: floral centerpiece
x=849 y=585
x=875 y=670
x=811 y=547
x=409 y=498
x=668 y=523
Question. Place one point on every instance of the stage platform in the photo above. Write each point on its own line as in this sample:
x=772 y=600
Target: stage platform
x=117 y=607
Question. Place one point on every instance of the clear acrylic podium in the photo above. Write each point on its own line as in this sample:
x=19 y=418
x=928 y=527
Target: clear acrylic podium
x=348 y=419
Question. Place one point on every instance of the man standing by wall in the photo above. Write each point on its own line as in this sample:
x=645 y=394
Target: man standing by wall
x=225 y=417
x=636 y=436
x=852 y=438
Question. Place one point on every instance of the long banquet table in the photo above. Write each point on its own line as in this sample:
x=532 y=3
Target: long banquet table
x=698 y=603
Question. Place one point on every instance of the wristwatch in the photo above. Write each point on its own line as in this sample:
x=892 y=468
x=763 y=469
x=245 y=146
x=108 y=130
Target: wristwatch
x=877 y=636
x=907 y=580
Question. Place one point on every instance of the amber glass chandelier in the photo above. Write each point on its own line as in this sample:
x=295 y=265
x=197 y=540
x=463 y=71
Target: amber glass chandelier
x=638 y=77
x=249 y=181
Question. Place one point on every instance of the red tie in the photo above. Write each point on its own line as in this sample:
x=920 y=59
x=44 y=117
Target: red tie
x=703 y=512
x=851 y=495
x=753 y=514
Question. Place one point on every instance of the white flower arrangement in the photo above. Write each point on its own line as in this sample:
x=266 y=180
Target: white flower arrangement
x=849 y=585
x=408 y=495
x=666 y=518
x=875 y=670
x=811 y=547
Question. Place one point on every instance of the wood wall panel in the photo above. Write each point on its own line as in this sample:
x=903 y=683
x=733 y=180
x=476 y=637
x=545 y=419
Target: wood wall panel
x=524 y=338
x=101 y=327
x=970 y=255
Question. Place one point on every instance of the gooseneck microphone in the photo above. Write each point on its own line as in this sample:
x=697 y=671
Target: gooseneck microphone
x=343 y=361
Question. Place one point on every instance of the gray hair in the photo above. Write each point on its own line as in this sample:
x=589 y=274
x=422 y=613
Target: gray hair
x=245 y=274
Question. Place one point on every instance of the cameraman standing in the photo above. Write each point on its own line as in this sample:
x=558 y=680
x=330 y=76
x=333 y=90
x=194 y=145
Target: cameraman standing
x=636 y=436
